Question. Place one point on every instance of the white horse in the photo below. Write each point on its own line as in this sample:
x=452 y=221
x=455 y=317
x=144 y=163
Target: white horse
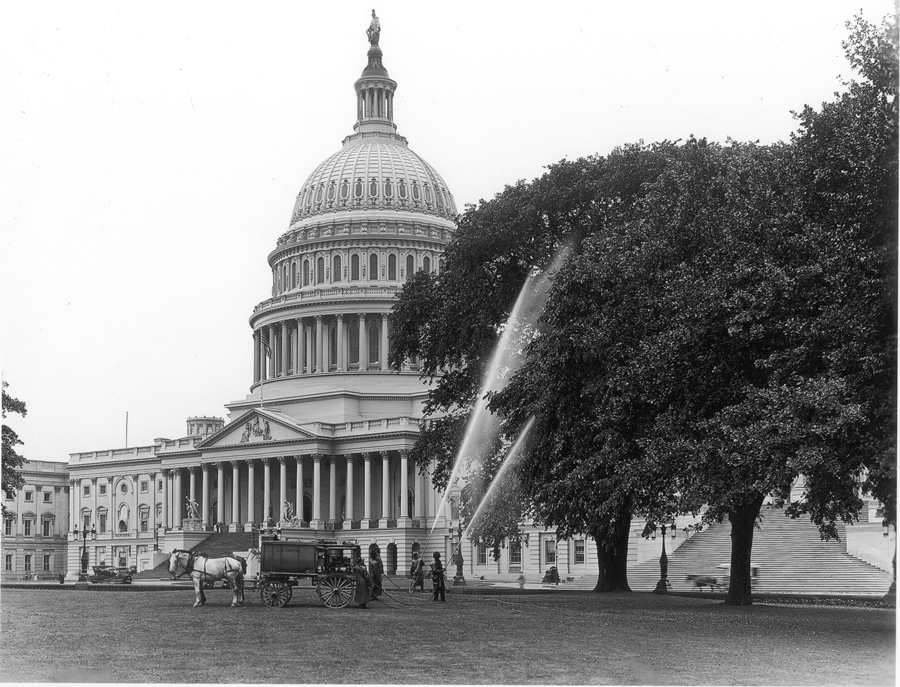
x=201 y=568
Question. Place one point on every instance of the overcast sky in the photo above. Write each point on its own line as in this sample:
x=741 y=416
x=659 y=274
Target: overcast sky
x=151 y=155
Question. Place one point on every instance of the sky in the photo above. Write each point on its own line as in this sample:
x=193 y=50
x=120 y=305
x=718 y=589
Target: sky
x=152 y=152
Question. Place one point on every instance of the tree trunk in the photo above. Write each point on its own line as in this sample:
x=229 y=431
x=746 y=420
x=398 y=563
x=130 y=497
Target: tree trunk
x=612 y=553
x=743 y=522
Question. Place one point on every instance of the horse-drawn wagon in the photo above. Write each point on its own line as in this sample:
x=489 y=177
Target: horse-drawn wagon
x=323 y=565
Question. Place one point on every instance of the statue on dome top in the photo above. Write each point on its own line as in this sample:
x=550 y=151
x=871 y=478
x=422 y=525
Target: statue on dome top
x=374 y=30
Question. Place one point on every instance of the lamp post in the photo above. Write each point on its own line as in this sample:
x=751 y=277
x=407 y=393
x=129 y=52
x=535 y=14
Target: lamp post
x=84 y=533
x=458 y=578
x=650 y=530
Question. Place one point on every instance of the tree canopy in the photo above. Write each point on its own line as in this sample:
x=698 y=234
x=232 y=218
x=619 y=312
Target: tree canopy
x=725 y=323
x=12 y=461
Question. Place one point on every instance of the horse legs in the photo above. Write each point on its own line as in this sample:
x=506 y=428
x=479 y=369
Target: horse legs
x=237 y=588
x=198 y=588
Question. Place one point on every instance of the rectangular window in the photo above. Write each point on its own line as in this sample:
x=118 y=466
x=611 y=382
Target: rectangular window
x=29 y=496
x=101 y=489
x=550 y=552
x=8 y=563
x=86 y=517
x=28 y=562
x=515 y=553
x=102 y=523
x=7 y=527
x=145 y=516
x=145 y=487
x=46 y=497
x=46 y=562
x=86 y=490
x=159 y=485
x=45 y=527
x=482 y=554
x=27 y=524
x=579 y=550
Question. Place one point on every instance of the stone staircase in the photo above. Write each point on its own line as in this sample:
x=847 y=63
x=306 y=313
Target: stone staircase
x=790 y=556
x=214 y=545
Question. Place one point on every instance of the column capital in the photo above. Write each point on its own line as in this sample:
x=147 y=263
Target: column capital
x=152 y=475
x=361 y=315
x=349 y=457
x=235 y=464
x=384 y=455
x=317 y=457
x=93 y=480
x=191 y=469
x=205 y=467
x=404 y=452
x=265 y=461
x=339 y=317
x=282 y=459
x=367 y=457
x=318 y=318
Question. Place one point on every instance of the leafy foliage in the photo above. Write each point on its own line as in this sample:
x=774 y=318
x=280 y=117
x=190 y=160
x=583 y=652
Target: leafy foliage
x=12 y=461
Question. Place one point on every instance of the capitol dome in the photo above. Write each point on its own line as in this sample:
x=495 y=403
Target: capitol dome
x=374 y=170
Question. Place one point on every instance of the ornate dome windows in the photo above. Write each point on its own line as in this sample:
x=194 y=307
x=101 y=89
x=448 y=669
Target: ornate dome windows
x=388 y=188
x=402 y=189
x=373 y=188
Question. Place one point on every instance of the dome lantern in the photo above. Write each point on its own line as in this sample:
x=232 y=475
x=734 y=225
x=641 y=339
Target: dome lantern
x=375 y=89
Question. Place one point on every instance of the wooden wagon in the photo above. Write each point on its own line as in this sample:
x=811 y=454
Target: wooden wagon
x=321 y=565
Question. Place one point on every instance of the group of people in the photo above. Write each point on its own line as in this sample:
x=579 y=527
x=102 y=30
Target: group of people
x=369 y=579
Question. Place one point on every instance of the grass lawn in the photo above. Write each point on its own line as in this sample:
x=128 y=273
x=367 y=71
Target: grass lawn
x=561 y=638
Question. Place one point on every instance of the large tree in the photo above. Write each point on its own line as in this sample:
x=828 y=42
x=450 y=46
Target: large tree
x=451 y=322
x=12 y=461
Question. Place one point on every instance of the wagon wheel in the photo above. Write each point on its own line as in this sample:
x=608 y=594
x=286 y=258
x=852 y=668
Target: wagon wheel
x=336 y=591
x=275 y=594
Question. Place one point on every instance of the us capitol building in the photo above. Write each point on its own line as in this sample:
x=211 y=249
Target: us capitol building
x=321 y=444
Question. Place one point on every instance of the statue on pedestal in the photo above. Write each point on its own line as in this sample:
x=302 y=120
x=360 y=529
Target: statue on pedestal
x=374 y=30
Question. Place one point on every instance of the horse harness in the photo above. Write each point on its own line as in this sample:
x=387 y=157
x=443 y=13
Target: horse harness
x=189 y=566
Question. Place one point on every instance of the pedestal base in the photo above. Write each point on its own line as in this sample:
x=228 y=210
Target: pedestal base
x=459 y=581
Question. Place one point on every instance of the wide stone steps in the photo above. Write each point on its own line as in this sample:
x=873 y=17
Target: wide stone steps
x=223 y=544
x=790 y=556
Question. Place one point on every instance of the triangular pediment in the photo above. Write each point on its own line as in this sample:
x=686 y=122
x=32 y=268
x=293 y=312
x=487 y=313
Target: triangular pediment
x=258 y=426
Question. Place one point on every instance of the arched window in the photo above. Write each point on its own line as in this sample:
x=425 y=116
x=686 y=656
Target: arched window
x=307 y=508
x=374 y=332
x=415 y=187
x=388 y=188
x=354 y=267
x=401 y=185
x=426 y=264
x=427 y=193
x=294 y=275
x=392 y=267
x=410 y=266
x=305 y=273
x=358 y=188
x=331 y=191
x=440 y=265
x=319 y=193
x=320 y=270
x=345 y=189
x=353 y=334
x=373 y=188
x=336 y=268
x=373 y=266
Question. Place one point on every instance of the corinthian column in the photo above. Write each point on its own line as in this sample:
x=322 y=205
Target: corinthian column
x=385 y=487
x=404 y=484
x=282 y=494
x=204 y=516
x=340 y=343
x=320 y=346
x=220 y=493
x=285 y=349
x=363 y=353
x=367 y=489
x=332 y=490
x=384 y=342
x=348 y=516
x=317 y=491
x=235 y=498
x=267 y=490
x=251 y=495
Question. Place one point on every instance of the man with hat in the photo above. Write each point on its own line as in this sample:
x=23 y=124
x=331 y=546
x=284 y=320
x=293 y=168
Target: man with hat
x=437 y=578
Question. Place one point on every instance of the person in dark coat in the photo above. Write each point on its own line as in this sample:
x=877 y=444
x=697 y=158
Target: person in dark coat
x=361 y=593
x=417 y=572
x=376 y=573
x=437 y=578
